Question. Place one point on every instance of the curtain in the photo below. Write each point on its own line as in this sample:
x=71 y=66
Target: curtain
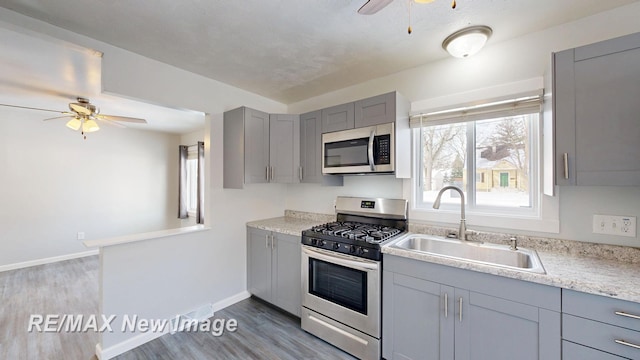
x=182 y=182
x=200 y=205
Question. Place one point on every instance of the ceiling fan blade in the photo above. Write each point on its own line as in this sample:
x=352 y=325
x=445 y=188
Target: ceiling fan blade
x=121 y=118
x=60 y=117
x=110 y=123
x=32 y=108
x=373 y=6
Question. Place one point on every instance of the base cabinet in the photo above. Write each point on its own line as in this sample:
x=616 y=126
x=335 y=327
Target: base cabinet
x=437 y=312
x=273 y=268
x=572 y=351
x=601 y=324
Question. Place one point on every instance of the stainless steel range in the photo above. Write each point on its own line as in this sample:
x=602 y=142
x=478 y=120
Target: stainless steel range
x=342 y=273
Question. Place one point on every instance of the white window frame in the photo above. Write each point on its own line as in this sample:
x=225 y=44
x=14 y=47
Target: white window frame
x=543 y=217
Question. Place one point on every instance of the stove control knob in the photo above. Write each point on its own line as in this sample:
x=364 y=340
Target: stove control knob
x=314 y=242
x=352 y=249
x=336 y=246
x=322 y=243
x=360 y=251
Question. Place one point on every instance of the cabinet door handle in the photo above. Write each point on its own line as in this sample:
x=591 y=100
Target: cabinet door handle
x=625 y=343
x=565 y=157
x=266 y=241
x=271 y=176
x=446 y=305
x=267 y=173
x=622 y=313
x=300 y=173
x=271 y=242
x=460 y=301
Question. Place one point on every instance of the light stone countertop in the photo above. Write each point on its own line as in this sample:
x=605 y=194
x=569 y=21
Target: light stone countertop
x=607 y=270
x=600 y=276
x=293 y=223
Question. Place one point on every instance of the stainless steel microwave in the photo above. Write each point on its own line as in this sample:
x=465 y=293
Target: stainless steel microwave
x=359 y=151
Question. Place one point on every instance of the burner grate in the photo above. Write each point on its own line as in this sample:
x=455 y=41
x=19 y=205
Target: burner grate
x=370 y=233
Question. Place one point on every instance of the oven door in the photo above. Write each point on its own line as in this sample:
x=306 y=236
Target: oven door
x=342 y=287
x=359 y=151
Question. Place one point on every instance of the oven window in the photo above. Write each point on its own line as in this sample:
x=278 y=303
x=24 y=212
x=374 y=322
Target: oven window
x=346 y=153
x=339 y=284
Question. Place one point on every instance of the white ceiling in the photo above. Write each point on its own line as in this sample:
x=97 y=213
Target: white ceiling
x=290 y=50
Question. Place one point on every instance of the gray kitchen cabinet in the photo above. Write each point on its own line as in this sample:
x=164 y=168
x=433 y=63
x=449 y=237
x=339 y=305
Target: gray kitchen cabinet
x=595 y=113
x=603 y=324
x=260 y=148
x=259 y=263
x=432 y=311
x=311 y=147
x=414 y=323
x=273 y=268
x=571 y=351
x=375 y=110
x=311 y=151
x=339 y=117
x=284 y=148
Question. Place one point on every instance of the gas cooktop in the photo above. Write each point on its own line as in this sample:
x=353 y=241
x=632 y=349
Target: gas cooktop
x=371 y=233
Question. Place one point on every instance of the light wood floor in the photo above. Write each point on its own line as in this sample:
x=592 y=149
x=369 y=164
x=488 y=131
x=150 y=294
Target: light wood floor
x=71 y=287
x=67 y=287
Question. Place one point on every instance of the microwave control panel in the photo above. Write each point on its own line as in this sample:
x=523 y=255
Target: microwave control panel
x=382 y=150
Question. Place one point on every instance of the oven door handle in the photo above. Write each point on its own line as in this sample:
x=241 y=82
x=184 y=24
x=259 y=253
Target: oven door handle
x=370 y=150
x=338 y=259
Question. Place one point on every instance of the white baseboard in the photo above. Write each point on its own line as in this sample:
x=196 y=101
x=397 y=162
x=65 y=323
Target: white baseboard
x=134 y=342
x=230 y=301
x=129 y=344
x=48 y=260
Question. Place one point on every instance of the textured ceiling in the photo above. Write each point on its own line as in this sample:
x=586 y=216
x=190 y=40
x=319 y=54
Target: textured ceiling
x=290 y=50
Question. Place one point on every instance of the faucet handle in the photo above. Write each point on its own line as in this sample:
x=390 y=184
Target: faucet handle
x=513 y=243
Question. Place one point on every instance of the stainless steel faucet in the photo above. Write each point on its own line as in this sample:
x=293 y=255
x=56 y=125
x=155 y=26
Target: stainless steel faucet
x=462 y=232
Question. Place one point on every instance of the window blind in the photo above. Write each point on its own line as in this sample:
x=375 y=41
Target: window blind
x=513 y=107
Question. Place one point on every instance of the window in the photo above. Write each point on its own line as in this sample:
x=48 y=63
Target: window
x=192 y=182
x=491 y=152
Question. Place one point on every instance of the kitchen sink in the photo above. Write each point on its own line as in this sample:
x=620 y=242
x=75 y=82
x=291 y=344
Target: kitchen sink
x=483 y=253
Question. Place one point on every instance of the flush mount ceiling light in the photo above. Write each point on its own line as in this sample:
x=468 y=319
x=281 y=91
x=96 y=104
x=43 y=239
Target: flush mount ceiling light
x=468 y=41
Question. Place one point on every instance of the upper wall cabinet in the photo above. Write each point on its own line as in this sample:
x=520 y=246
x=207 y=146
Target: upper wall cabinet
x=339 y=117
x=597 y=113
x=375 y=110
x=311 y=151
x=284 y=148
x=260 y=148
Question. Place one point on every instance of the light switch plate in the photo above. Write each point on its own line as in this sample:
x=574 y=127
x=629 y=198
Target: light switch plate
x=614 y=225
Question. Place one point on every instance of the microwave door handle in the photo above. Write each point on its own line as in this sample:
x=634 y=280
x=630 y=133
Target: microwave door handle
x=370 y=150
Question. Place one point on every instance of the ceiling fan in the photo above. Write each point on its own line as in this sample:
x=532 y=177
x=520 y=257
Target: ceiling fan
x=373 y=6
x=83 y=116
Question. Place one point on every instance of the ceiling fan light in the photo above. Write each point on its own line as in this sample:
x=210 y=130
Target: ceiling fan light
x=90 y=126
x=467 y=42
x=74 y=124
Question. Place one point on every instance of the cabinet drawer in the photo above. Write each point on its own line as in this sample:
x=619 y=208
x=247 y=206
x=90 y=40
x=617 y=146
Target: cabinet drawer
x=601 y=336
x=607 y=310
x=571 y=351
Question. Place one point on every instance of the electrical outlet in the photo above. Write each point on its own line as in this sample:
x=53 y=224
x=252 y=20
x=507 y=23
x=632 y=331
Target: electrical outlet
x=80 y=235
x=614 y=225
